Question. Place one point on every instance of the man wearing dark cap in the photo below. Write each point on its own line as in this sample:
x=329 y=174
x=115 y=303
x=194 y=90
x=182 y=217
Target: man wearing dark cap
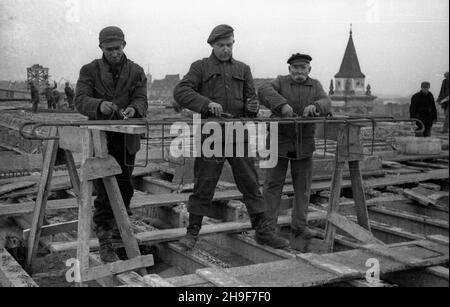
x=49 y=95
x=294 y=95
x=423 y=108
x=213 y=86
x=113 y=88
x=69 y=94
x=34 y=97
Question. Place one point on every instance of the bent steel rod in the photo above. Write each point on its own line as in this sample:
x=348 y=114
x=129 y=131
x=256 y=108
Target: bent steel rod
x=165 y=122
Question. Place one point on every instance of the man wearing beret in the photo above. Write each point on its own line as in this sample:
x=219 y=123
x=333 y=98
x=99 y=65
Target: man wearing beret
x=113 y=88
x=213 y=86
x=423 y=108
x=292 y=95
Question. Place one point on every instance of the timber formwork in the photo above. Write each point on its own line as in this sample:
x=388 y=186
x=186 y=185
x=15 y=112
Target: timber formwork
x=407 y=201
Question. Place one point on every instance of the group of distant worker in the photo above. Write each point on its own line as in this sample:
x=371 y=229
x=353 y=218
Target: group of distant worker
x=423 y=107
x=115 y=88
x=54 y=98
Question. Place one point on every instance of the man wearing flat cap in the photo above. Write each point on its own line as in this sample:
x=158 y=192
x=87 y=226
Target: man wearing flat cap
x=423 y=108
x=294 y=95
x=213 y=86
x=113 y=88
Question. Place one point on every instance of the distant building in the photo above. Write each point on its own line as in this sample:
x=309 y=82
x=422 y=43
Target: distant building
x=14 y=90
x=349 y=93
x=163 y=89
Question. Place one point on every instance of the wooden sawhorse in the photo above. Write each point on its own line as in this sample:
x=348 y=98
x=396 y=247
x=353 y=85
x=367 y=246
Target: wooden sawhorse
x=96 y=163
x=348 y=150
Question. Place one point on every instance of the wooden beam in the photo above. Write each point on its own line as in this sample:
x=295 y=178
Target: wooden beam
x=54 y=229
x=333 y=205
x=175 y=234
x=411 y=222
x=219 y=278
x=169 y=199
x=115 y=268
x=359 y=195
x=85 y=206
x=154 y=280
x=99 y=167
x=11 y=273
x=330 y=266
x=41 y=200
x=351 y=228
x=15 y=186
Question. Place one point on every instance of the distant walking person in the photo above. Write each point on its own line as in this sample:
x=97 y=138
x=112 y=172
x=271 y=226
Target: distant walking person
x=69 y=94
x=443 y=101
x=423 y=108
x=49 y=95
x=34 y=97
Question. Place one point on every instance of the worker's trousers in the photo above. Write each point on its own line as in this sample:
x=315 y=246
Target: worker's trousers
x=301 y=171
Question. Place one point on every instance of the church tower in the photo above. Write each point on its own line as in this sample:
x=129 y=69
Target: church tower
x=350 y=93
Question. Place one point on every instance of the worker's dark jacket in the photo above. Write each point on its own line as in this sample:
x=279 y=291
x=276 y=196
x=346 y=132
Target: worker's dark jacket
x=283 y=90
x=423 y=108
x=49 y=92
x=69 y=93
x=96 y=84
x=34 y=94
x=444 y=93
x=209 y=80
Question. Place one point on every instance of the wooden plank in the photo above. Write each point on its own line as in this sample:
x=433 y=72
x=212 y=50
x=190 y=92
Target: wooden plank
x=72 y=171
x=333 y=205
x=438 y=239
x=359 y=195
x=62 y=182
x=23 y=162
x=154 y=280
x=116 y=200
x=15 y=186
x=115 y=280
x=121 y=217
x=438 y=271
x=175 y=234
x=70 y=138
x=85 y=206
x=412 y=222
x=354 y=230
x=41 y=200
x=54 y=229
x=118 y=267
x=387 y=252
x=219 y=278
x=11 y=273
x=95 y=168
x=425 y=199
x=328 y=265
x=132 y=279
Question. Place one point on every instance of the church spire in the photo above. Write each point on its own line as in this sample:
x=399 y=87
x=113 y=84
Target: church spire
x=350 y=65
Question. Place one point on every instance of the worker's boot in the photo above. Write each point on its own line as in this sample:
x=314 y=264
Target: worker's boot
x=107 y=253
x=191 y=237
x=116 y=238
x=265 y=233
x=301 y=239
x=304 y=232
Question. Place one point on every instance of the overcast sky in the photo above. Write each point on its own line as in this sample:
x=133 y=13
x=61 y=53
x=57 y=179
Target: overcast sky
x=399 y=42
